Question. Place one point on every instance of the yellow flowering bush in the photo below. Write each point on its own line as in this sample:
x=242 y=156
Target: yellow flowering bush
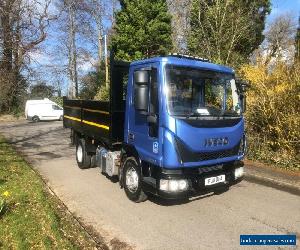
x=273 y=117
x=3 y=203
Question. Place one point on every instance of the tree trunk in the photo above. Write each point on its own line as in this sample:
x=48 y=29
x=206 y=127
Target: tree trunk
x=7 y=37
x=73 y=84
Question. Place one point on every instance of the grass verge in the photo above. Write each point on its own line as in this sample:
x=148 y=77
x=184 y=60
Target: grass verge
x=30 y=217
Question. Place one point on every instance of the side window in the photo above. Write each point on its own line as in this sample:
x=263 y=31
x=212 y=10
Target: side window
x=55 y=107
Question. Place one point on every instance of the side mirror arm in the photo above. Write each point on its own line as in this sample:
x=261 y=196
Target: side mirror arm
x=152 y=119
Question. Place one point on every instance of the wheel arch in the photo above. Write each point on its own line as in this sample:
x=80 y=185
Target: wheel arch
x=129 y=151
x=126 y=152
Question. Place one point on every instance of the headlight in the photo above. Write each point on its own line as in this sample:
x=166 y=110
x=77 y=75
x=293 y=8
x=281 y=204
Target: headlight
x=183 y=185
x=173 y=185
x=239 y=172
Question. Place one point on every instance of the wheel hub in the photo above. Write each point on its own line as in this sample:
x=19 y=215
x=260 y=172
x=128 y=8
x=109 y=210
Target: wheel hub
x=132 y=179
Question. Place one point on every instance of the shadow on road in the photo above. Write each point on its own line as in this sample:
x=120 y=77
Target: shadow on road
x=26 y=124
x=38 y=141
x=40 y=134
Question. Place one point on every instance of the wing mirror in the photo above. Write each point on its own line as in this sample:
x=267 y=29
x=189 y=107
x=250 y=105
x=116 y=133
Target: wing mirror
x=152 y=119
x=242 y=87
x=141 y=90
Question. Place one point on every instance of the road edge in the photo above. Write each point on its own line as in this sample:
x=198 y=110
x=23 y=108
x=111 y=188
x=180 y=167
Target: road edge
x=282 y=186
x=269 y=176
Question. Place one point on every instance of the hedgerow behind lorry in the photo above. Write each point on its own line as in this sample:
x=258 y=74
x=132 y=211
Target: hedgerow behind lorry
x=173 y=126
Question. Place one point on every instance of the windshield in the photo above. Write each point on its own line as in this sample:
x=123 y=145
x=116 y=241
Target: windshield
x=194 y=92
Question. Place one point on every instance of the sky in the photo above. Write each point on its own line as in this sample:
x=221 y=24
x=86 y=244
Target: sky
x=279 y=7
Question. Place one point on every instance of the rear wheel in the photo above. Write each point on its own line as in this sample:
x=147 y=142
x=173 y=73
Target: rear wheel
x=132 y=181
x=35 y=118
x=82 y=157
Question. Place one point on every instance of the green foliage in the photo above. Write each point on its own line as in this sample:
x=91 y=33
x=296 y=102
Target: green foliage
x=256 y=11
x=142 y=30
x=227 y=31
x=57 y=99
x=102 y=94
x=41 y=90
x=91 y=83
x=13 y=92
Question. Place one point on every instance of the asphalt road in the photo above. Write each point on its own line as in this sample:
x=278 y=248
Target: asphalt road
x=204 y=222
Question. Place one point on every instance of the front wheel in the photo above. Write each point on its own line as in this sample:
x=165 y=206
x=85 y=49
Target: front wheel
x=132 y=181
x=35 y=118
x=82 y=157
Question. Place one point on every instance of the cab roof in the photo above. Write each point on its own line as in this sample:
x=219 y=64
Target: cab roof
x=186 y=62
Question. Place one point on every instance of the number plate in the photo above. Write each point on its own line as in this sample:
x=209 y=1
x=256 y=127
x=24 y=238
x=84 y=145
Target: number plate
x=214 y=180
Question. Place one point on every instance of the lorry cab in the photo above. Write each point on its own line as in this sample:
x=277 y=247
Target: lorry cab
x=182 y=116
x=173 y=126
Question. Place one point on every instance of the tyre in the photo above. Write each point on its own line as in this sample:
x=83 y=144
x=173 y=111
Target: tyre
x=132 y=181
x=61 y=118
x=35 y=118
x=82 y=157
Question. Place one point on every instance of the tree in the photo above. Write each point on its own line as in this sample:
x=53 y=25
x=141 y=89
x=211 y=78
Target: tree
x=180 y=11
x=41 y=90
x=142 y=29
x=23 y=26
x=82 y=36
x=70 y=7
x=279 y=39
x=91 y=82
x=99 y=12
x=227 y=31
x=75 y=21
x=297 y=44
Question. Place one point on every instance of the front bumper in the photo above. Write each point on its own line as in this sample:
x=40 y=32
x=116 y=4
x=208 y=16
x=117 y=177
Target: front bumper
x=196 y=179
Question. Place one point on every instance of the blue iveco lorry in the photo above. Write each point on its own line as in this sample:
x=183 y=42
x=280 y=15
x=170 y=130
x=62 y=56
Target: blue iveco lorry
x=173 y=126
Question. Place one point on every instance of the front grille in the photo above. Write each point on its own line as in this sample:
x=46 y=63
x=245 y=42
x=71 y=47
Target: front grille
x=209 y=169
x=218 y=154
x=188 y=156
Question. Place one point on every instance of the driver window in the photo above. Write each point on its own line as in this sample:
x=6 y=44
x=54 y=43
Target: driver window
x=55 y=107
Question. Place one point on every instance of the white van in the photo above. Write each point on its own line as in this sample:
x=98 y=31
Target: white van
x=43 y=110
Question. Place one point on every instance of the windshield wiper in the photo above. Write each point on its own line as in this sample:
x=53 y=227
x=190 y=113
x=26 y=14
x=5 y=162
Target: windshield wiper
x=192 y=114
x=230 y=114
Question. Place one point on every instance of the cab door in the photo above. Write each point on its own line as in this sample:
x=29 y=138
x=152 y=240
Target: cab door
x=144 y=124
